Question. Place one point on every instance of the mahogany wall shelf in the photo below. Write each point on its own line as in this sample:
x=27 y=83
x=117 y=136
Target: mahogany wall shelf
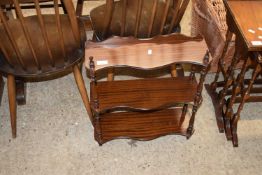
x=144 y=109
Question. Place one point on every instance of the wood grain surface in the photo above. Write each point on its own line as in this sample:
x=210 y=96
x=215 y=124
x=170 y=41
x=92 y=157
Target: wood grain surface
x=146 y=53
x=145 y=93
x=248 y=17
x=143 y=126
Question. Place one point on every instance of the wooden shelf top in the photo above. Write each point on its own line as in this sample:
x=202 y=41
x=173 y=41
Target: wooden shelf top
x=145 y=94
x=248 y=17
x=146 y=54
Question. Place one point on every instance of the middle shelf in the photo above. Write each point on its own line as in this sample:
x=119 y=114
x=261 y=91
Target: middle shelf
x=145 y=94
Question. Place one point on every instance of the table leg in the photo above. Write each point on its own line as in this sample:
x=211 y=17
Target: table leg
x=229 y=106
x=245 y=96
x=221 y=60
x=211 y=89
x=228 y=79
x=110 y=75
x=2 y=83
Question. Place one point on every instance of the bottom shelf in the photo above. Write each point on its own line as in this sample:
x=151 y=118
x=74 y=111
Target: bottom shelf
x=142 y=126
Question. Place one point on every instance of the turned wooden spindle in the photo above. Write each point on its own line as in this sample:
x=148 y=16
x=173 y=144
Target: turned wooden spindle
x=198 y=97
x=245 y=96
x=236 y=89
x=95 y=102
x=221 y=65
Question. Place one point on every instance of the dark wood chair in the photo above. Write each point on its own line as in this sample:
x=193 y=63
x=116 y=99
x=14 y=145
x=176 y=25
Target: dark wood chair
x=29 y=4
x=41 y=47
x=138 y=18
x=148 y=108
x=8 y=7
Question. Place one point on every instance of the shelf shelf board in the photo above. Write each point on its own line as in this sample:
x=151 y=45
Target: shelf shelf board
x=145 y=94
x=143 y=126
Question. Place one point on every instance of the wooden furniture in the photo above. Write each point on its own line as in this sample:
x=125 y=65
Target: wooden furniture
x=41 y=47
x=246 y=27
x=29 y=4
x=138 y=18
x=8 y=6
x=80 y=6
x=145 y=109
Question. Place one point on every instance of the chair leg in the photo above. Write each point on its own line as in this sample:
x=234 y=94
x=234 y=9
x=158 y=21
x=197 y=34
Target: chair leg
x=2 y=84
x=81 y=87
x=12 y=102
x=110 y=75
x=173 y=71
x=63 y=6
x=20 y=92
x=79 y=7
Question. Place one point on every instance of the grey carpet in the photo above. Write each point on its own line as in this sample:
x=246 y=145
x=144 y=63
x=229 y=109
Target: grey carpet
x=55 y=136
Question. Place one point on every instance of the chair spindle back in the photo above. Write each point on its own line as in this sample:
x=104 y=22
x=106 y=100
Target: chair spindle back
x=25 y=32
x=164 y=15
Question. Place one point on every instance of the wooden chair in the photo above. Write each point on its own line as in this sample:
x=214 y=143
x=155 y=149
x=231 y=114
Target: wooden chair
x=138 y=18
x=29 y=4
x=145 y=109
x=84 y=17
x=2 y=83
x=41 y=47
x=25 y=5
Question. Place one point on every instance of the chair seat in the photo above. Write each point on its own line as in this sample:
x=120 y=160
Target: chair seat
x=73 y=51
x=99 y=13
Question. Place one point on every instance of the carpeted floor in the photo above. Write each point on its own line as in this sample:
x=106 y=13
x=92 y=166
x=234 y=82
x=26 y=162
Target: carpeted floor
x=55 y=137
